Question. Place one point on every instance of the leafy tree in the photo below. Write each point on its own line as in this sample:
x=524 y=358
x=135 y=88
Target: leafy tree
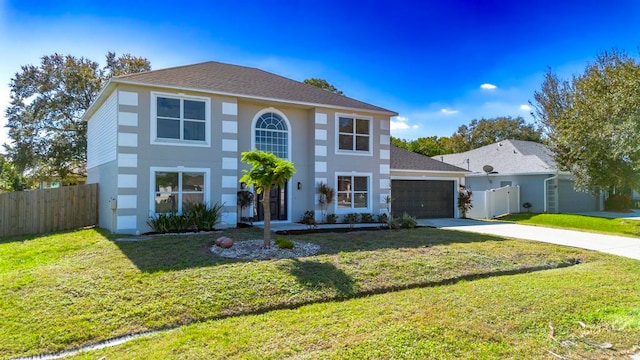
x=478 y=133
x=428 y=146
x=10 y=179
x=45 y=113
x=593 y=122
x=488 y=131
x=267 y=171
x=322 y=84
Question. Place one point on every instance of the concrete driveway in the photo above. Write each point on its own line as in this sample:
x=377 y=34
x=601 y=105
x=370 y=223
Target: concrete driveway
x=610 y=244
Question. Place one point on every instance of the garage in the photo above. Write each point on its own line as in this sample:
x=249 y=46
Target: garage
x=423 y=187
x=423 y=198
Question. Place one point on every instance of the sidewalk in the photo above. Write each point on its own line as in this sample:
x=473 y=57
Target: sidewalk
x=610 y=244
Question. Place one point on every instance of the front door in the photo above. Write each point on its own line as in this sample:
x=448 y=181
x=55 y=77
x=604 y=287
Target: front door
x=278 y=202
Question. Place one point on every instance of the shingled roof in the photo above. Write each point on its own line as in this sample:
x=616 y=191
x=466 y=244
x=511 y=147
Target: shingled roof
x=242 y=81
x=402 y=159
x=506 y=157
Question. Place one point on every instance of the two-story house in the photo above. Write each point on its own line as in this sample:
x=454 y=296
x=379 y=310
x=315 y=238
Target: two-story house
x=162 y=138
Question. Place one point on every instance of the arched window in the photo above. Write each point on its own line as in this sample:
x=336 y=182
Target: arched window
x=272 y=135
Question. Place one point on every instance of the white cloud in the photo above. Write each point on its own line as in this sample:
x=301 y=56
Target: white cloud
x=449 y=111
x=401 y=123
x=487 y=86
x=525 y=107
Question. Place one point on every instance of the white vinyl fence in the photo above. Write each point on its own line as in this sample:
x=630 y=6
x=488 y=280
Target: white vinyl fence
x=495 y=202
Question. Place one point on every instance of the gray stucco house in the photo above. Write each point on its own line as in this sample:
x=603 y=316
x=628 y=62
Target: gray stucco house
x=161 y=138
x=530 y=166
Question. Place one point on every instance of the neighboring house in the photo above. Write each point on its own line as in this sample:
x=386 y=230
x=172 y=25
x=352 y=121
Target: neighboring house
x=530 y=166
x=159 y=139
x=423 y=187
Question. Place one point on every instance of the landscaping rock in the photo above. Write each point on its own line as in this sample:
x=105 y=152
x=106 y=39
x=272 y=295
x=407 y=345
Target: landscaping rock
x=226 y=243
x=255 y=250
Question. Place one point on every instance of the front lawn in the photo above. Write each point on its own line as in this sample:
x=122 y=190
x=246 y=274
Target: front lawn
x=572 y=312
x=579 y=222
x=64 y=290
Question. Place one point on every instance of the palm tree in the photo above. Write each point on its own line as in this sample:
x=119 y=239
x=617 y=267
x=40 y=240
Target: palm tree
x=267 y=171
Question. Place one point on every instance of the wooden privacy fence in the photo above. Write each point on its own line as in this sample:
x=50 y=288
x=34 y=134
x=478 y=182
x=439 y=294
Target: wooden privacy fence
x=42 y=211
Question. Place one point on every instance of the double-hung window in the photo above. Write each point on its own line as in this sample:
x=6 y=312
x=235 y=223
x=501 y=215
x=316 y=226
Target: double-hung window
x=174 y=190
x=354 y=134
x=353 y=192
x=180 y=119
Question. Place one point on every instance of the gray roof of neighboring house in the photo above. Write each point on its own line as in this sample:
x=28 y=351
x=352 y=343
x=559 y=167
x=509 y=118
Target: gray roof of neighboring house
x=402 y=159
x=245 y=81
x=506 y=157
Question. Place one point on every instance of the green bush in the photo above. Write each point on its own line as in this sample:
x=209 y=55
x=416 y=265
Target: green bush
x=351 y=219
x=202 y=216
x=383 y=218
x=366 y=218
x=405 y=222
x=283 y=243
x=196 y=217
x=309 y=219
x=331 y=218
x=618 y=202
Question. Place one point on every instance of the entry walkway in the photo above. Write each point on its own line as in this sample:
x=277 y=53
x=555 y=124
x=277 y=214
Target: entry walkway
x=610 y=244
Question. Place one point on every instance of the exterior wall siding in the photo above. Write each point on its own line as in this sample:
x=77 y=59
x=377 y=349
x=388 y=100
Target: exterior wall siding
x=102 y=132
x=571 y=200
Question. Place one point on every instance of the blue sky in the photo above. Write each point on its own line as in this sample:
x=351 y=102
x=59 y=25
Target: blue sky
x=426 y=60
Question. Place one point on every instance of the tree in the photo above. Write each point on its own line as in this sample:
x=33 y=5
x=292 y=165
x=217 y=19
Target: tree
x=45 y=113
x=267 y=171
x=593 y=122
x=427 y=146
x=488 y=131
x=468 y=137
x=10 y=179
x=322 y=84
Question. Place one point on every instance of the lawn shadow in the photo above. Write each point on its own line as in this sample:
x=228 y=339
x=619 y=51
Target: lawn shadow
x=178 y=252
x=314 y=274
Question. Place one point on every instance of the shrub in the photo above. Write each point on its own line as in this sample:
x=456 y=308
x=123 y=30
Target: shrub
x=383 y=218
x=283 y=243
x=618 y=202
x=405 y=222
x=245 y=199
x=331 y=219
x=366 y=218
x=327 y=193
x=351 y=219
x=309 y=219
x=464 y=201
x=202 y=216
x=197 y=216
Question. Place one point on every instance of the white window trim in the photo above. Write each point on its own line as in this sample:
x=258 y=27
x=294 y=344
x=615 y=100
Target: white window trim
x=206 y=196
x=369 y=176
x=336 y=135
x=177 y=142
x=284 y=117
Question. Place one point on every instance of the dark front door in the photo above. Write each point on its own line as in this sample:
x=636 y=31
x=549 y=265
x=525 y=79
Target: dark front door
x=278 y=202
x=422 y=198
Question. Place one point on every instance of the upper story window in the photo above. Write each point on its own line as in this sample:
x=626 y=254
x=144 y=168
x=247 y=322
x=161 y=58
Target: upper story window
x=272 y=135
x=354 y=134
x=180 y=119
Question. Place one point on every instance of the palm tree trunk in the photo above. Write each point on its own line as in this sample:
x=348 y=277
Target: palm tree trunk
x=266 y=208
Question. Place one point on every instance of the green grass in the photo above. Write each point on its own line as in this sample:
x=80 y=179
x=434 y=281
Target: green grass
x=64 y=290
x=579 y=222
x=493 y=318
